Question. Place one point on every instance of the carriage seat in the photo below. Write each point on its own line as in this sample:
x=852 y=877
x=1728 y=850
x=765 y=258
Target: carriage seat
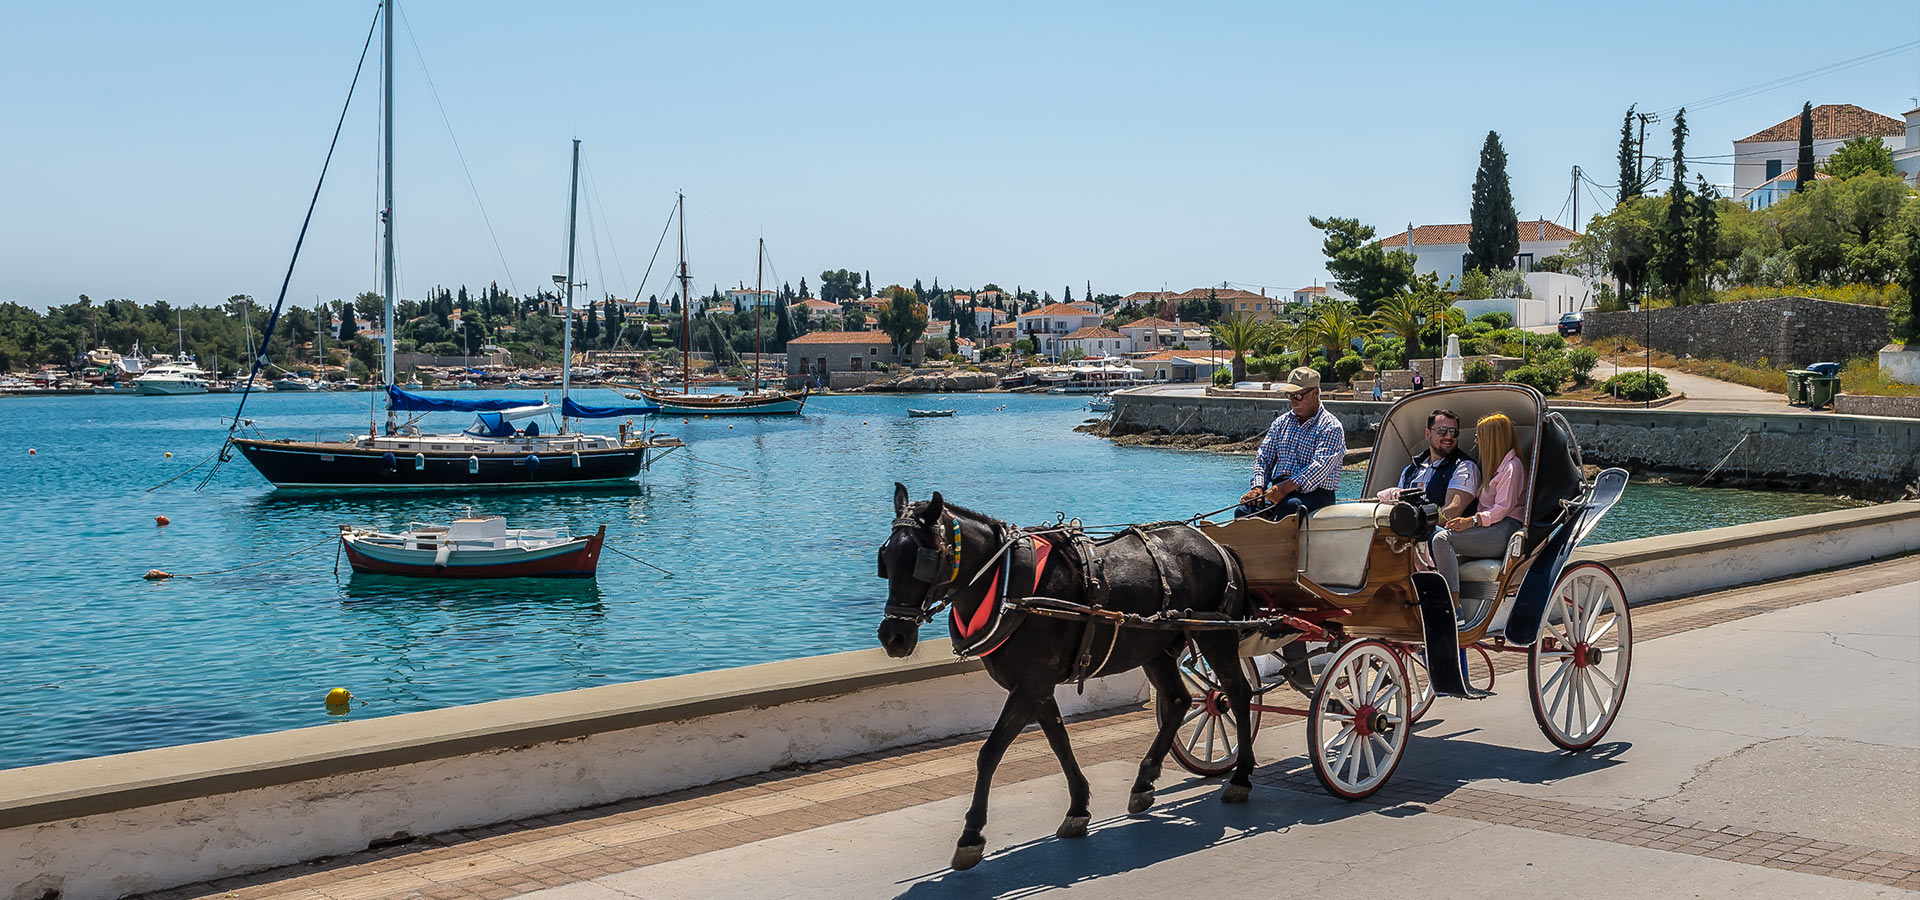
x=1338 y=540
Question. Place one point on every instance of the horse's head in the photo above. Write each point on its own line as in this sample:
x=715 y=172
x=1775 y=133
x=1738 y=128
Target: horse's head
x=920 y=561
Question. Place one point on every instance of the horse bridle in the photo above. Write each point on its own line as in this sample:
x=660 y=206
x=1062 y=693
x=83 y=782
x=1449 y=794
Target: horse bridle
x=937 y=567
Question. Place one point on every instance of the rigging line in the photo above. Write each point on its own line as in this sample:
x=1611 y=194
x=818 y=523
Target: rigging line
x=1785 y=80
x=721 y=217
x=266 y=335
x=656 y=254
x=613 y=246
x=472 y=190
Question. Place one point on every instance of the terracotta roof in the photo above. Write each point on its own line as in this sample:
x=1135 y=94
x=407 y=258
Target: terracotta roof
x=1138 y=296
x=1457 y=234
x=1151 y=322
x=842 y=337
x=1200 y=293
x=1058 y=309
x=1094 y=331
x=1793 y=175
x=1162 y=356
x=1317 y=289
x=812 y=303
x=1833 y=121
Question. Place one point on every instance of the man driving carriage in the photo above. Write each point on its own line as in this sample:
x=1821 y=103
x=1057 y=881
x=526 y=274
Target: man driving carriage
x=1298 y=464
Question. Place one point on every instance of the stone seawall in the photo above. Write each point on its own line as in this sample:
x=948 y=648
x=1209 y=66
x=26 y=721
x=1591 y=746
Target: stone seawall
x=1863 y=456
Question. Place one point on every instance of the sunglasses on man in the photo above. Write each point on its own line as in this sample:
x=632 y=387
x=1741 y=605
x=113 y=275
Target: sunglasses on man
x=1444 y=431
x=1298 y=396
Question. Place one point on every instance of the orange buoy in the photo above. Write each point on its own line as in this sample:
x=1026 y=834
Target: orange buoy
x=157 y=575
x=31 y=451
x=162 y=521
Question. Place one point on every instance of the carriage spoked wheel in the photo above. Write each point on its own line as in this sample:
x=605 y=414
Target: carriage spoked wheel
x=1419 y=683
x=1207 y=742
x=1361 y=715
x=1577 y=670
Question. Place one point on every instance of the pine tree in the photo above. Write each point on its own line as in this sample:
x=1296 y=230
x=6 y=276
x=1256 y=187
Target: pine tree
x=1493 y=238
x=1803 y=171
x=1629 y=161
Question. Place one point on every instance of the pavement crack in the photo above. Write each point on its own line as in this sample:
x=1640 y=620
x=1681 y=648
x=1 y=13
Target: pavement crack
x=1834 y=638
x=1702 y=769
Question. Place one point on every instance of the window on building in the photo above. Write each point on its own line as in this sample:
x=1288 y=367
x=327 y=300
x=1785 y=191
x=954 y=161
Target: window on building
x=1773 y=168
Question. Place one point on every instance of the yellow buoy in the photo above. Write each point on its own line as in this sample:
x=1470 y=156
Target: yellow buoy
x=729 y=427
x=339 y=697
x=169 y=454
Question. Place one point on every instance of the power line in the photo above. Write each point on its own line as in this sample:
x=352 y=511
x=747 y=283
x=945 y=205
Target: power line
x=1784 y=81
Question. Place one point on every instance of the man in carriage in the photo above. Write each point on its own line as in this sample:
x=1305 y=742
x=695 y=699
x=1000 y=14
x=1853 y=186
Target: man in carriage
x=1298 y=463
x=1442 y=475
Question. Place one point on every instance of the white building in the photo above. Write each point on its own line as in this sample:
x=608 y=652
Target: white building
x=1442 y=249
x=1761 y=157
x=1907 y=157
x=1096 y=341
x=748 y=297
x=1047 y=325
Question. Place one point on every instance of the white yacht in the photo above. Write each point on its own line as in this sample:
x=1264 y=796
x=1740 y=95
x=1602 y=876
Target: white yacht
x=185 y=377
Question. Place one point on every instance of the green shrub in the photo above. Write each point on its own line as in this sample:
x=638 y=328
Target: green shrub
x=1479 y=372
x=1495 y=320
x=1347 y=367
x=1223 y=377
x=1582 y=360
x=1637 y=386
x=1275 y=367
x=1535 y=377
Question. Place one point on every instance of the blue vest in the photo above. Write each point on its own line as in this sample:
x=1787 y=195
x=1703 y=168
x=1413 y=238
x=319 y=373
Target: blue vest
x=1442 y=476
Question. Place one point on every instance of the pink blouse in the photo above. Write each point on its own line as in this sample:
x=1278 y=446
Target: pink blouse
x=1503 y=496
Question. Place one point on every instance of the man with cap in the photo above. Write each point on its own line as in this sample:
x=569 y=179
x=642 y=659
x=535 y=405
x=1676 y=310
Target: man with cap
x=1298 y=464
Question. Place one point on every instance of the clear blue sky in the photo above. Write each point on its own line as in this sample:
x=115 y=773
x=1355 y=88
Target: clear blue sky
x=167 y=150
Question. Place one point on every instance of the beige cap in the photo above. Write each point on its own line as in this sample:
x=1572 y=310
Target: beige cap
x=1301 y=379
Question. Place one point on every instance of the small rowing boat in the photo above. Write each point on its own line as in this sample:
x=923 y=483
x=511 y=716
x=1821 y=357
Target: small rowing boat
x=929 y=413
x=473 y=547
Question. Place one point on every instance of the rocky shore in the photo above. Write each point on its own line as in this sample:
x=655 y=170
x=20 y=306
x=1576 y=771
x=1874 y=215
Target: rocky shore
x=943 y=383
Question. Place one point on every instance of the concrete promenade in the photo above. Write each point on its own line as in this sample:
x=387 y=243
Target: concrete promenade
x=1768 y=747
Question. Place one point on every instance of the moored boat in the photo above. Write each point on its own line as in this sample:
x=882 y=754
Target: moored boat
x=473 y=547
x=929 y=413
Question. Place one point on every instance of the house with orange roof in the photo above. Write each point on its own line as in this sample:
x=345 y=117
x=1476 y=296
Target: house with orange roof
x=1170 y=365
x=985 y=317
x=822 y=353
x=1154 y=334
x=1760 y=157
x=1095 y=340
x=1778 y=187
x=1442 y=249
x=1047 y=325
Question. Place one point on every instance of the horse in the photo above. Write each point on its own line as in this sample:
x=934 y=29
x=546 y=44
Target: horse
x=928 y=562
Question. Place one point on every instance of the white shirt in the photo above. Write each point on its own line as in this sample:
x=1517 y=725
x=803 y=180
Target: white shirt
x=1466 y=475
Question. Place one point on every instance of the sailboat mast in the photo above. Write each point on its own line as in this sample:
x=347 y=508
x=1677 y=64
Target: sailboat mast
x=686 y=302
x=566 y=352
x=386 y=206
x=759 y=272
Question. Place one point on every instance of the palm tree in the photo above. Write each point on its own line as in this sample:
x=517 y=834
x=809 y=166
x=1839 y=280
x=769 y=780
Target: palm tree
x=1403 y=314
x=1334 y=326
x=1241 y=334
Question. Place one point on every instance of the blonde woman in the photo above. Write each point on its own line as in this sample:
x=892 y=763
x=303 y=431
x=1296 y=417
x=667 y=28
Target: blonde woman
x=1502 y=501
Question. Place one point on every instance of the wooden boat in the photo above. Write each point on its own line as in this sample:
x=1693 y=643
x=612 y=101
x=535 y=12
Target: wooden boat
x=473 y=547
x=762 y=403
x=929 y=413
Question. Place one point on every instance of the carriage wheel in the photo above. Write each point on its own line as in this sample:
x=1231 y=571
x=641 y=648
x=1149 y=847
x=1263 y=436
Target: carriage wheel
x=1577 y=670
x=1207 y=742
x=1419 y=683
x=1357 y=727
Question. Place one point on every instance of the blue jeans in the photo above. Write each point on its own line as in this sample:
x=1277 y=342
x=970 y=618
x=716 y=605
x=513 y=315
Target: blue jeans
x=1307 y=501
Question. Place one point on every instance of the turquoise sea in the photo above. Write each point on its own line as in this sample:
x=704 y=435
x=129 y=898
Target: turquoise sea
x=768 y=526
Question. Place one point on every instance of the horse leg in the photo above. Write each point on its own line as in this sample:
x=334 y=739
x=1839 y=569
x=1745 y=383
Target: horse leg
x=1021 y=705
x=1170 y=705
x=1223 y=654
x=1075 y=824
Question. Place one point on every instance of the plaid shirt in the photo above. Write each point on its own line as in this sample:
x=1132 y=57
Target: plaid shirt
x=1309 y=452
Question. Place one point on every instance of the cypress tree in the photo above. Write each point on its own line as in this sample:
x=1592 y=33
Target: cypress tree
x=348 y=327
x=593 y=323
x=653 y=304
x=803 y=289
x=1493 y=239
x=1803 y=171
x=1706 y=232
x=782 y=328
x=1629 y=161
x=1673 y=259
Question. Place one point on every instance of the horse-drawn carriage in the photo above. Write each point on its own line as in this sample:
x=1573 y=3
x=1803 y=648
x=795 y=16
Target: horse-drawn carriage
x=1337 y=604
x=1387 y=636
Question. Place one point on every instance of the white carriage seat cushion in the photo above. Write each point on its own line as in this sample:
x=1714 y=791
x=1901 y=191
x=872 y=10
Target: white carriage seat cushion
x=1338 y=538
x=1490 y=569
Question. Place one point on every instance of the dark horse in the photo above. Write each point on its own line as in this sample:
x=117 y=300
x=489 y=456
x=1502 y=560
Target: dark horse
x=934 y=554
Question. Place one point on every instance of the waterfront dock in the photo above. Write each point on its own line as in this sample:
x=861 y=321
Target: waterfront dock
x=1767 y=749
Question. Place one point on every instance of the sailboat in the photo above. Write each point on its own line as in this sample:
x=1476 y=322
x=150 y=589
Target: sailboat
x=758 y=402
x=493 y=452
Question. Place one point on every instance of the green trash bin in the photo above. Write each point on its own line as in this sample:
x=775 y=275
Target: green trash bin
x=1821 y=389
x=1797 y=386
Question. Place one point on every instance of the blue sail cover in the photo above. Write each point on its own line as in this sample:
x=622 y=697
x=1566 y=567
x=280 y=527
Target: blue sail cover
x=402 y=401
x=576 y=411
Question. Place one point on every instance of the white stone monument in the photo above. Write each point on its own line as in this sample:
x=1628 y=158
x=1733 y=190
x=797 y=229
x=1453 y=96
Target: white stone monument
x=1451 y=370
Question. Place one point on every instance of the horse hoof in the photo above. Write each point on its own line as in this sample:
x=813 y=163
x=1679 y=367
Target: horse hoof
x=1073 y=827
x=1236 y=793
x=965 y=858
x=1138 y=801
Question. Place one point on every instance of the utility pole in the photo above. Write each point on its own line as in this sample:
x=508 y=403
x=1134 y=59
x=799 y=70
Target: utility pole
x=1576 y=198
x=1641 y=152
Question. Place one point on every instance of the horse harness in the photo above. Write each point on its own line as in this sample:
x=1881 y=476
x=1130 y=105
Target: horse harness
x=1000 y=612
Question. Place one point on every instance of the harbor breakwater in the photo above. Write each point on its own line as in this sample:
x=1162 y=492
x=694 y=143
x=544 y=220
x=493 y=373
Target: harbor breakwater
x=1869 y=457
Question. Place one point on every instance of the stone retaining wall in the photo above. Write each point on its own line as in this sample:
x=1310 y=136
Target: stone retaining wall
x=1864 y=456
x=1859 y=405
x=1788 y=332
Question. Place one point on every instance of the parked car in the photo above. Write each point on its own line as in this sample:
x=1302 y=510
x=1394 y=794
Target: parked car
x=1571 y=323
